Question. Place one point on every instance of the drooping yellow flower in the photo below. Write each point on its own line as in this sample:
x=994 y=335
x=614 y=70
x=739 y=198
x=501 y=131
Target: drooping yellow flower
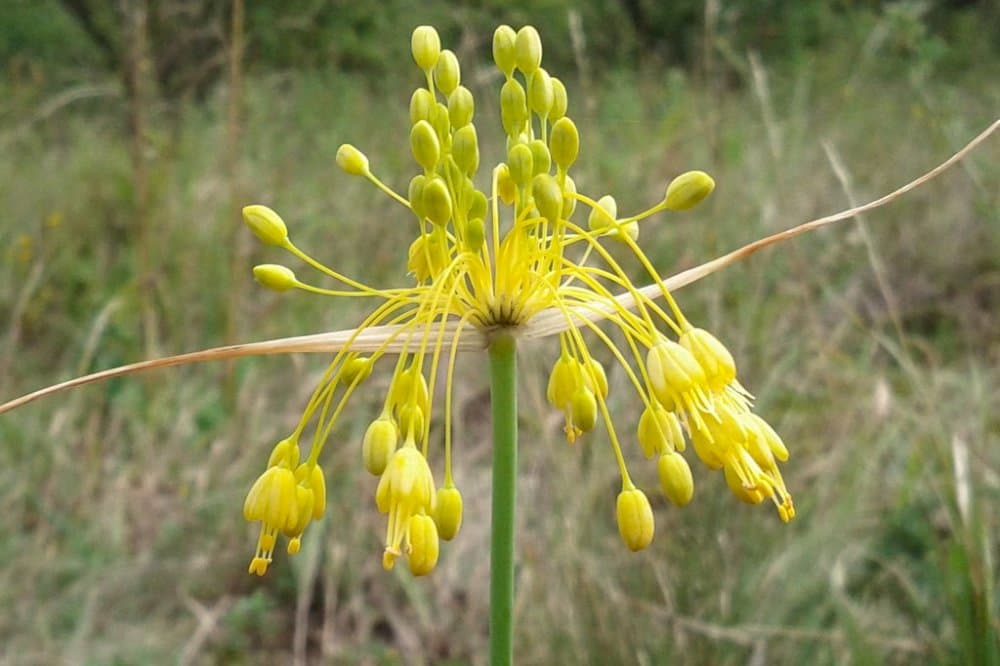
x=502 y=259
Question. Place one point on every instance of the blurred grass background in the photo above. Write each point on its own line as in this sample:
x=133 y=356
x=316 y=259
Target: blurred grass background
x=132 y=132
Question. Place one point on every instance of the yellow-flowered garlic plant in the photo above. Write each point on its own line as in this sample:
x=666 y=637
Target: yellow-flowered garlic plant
x=515 y=260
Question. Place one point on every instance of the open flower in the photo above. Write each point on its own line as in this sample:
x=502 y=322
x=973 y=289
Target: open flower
x=496 y=260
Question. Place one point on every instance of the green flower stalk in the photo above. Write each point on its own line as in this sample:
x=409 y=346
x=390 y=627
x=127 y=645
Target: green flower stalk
x=497 y=261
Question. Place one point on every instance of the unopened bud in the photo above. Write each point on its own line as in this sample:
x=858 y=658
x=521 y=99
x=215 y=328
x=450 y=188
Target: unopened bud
x=594 y=377
x=378 y=445
x=274 y=276
x=437 y=201
x=477 y=205
x=415 y=194
x=352 y=160
x=688 y=190
x=421 y=105
x=475 y=234
x=520 y=162
x=564 y=380
x=635 y=519
x=540 y=93
x=447 y=74
x=564 y=143
x=542 y=160
x=528 y=49
x=569 y=198
x=425 y=145
x=448 y=512
x=506 y=187
x=465 y=149
x=560 y=102
x=504 y=39
x=461 y=106
x=712 y=356
x=266 y=224
x=676 y=481
x=425 y=45
x=548 y=197
x=356 y=370
x=513 y=107
x=583 y=409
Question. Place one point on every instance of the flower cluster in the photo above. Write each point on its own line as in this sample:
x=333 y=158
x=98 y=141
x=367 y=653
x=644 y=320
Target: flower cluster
x=495 y=262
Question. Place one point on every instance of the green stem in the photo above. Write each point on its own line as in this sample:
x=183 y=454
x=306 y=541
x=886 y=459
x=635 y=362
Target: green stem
x=503 y=396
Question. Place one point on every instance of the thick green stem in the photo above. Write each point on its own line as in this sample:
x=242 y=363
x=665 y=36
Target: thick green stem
x=503 y=396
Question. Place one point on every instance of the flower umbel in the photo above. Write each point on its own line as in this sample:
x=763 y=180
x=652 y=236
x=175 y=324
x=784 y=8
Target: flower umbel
x=493 y=260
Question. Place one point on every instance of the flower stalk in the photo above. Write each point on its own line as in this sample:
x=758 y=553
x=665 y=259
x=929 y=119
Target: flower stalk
x=503 y=398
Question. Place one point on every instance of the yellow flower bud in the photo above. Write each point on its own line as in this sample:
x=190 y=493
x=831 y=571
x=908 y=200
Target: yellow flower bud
x=274 y=276
x=513 y=108
x=506 y=187
x=447 y=74
x=266 y=224
x=356 y=370
x=560 y=102
x=352 y=160
x=548 y=197
x=428 y=256
x=425 y=145
x=285 y=453
x=411 y=421
x=475 y=234
x=688 y=190
x=659 y=431
x=422 y=537
x=465 y=149
x=504 y=39
x=437 y=201
x=415 y=194
x=676 y=481
x=635 y=519
x=425 y=45
x=594 y=377
x=564 y=380
x=583 y=409
x=541 y=159
x=604 y=219
x=442 y=126
x=712 y=356
x=448 y=512
x=604 y=216
x=564 y=143
x=569 y=200
x=422 y=104
x=410 y=387
x=317 y=482
x=674 y=373
x=528 y=49
x=540 y=93
x=521 y=164
x=477 y=205
x=461 y=107
x=379 y=444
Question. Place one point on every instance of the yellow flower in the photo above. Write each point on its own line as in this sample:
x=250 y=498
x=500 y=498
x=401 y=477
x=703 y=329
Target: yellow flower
x=511 y=258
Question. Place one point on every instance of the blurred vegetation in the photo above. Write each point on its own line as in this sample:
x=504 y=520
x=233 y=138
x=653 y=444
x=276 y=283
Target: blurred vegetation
x=871 y=346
